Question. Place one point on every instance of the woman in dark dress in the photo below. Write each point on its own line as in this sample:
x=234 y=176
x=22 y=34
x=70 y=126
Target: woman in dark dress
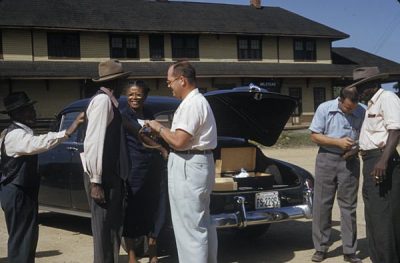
x=146 y=183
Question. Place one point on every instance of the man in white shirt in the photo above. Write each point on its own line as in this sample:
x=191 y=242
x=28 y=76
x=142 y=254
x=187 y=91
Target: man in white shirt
x=191 y=173
x=20 y=181
x=104 y=162
x=379 y=138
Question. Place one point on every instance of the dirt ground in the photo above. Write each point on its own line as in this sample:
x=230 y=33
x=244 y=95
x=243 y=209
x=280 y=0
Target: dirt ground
x=68 y=238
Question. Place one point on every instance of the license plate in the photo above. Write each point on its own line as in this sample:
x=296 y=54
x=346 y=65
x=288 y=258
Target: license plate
x=267 y=200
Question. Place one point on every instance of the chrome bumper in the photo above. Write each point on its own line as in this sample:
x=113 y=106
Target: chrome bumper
x=242 y=218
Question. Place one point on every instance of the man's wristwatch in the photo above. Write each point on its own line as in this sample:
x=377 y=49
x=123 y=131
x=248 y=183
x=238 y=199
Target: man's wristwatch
x=160 y=130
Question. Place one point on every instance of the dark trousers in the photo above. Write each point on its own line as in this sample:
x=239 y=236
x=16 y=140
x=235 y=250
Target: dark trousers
x=382 y=210
x=335 y=175
x=20 y=208
x=107 y=221
x=160 y=214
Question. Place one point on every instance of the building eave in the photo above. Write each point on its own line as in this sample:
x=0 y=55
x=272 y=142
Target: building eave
x=114 y=30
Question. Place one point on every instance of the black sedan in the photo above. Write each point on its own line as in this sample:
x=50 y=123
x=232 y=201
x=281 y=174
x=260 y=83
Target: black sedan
x=252 y=190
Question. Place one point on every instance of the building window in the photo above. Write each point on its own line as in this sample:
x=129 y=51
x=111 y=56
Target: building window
x=185 y=46
x=156 y=43
x=304 y=50
x=124 y=46
x=296 y=93
x=63 y=45
x=336 y=91
x=249 y=48
x=319 y=97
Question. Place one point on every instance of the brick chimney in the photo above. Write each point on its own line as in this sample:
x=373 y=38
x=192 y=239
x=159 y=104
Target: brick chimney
x=255 y=3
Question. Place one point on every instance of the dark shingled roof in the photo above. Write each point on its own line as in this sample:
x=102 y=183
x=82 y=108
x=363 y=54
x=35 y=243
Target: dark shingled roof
x=363 y=58
x=152 y=16
x=83 y=70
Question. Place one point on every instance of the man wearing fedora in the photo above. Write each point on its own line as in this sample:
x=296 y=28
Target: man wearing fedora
x=105 y=162
x=19 y=183
x=379 y=138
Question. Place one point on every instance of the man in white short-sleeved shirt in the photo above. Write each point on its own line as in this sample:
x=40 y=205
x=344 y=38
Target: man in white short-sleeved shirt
x=191 y=173
x=379 y=138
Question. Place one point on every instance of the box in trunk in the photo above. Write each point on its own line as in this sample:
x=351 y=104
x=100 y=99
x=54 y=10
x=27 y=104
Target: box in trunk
x=234 y=159
x=225 y=184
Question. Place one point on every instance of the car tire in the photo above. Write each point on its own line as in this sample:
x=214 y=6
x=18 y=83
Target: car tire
x=252 y=232
x=140 y=248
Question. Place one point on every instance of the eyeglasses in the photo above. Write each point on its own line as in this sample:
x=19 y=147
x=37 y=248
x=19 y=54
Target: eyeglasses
x=172 y=81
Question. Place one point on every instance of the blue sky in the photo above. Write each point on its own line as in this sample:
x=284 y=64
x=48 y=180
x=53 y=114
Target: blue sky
x=373 y=25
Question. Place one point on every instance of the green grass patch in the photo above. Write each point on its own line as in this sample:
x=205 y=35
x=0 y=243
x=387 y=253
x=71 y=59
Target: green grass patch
x=292 y=139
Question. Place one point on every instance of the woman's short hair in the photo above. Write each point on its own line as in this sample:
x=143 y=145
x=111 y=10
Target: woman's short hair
x=140 y=84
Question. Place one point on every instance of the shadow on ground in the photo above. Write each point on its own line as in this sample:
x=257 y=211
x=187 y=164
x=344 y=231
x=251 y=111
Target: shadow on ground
x=279 y=244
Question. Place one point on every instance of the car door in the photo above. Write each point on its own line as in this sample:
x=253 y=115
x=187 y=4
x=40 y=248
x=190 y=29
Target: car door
x=55 y=168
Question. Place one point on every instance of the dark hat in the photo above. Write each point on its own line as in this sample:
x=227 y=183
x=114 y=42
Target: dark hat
x=109 y=70
x=16 y=100
x=367 y=74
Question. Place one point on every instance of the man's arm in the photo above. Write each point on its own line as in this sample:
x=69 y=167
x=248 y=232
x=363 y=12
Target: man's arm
x=178 y=139
x=343 y=143
x=379 y=171
x=390 y=109
x=99 y=114
x=317 y=128
x=19 y=143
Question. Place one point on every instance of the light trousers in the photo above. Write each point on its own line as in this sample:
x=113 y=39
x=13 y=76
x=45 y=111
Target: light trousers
x=191 y=178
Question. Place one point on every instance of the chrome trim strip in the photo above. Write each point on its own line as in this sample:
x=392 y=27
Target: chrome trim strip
x=243 y=218
x=65 y=211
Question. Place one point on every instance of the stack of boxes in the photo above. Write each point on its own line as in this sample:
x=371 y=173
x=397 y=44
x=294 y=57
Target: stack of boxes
x=232 y=162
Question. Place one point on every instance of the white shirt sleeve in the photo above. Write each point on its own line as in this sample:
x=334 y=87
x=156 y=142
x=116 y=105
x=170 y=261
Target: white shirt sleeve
x=189 y=120
x=391 y=111
x=99 y=114
x=19 y=142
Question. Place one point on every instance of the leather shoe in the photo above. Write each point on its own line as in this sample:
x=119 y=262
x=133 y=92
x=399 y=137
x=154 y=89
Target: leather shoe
x=351 y=258
x=318 y=256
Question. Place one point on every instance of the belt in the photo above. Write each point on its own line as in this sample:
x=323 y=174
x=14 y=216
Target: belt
x=323 y=150
x=194 y=151
x=369 y=152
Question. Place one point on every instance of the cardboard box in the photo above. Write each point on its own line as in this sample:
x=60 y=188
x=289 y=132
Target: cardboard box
x=218 y=167
x=225 y=184
x=233 y=159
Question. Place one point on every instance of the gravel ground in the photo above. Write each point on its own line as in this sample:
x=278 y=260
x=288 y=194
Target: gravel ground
x=68 y=238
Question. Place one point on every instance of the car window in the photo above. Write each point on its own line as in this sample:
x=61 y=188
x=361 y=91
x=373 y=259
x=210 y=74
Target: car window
x=66 y=121
x=165 y=118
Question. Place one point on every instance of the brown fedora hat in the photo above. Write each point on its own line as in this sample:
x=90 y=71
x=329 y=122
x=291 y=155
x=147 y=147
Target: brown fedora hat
x=109 y=70
x=16 y=100
x=367 y=74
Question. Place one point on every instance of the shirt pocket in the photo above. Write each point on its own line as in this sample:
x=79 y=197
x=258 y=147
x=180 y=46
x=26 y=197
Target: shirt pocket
x=373 y=121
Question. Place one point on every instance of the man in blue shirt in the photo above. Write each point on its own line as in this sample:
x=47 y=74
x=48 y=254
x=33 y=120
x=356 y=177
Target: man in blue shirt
x=335 y=128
